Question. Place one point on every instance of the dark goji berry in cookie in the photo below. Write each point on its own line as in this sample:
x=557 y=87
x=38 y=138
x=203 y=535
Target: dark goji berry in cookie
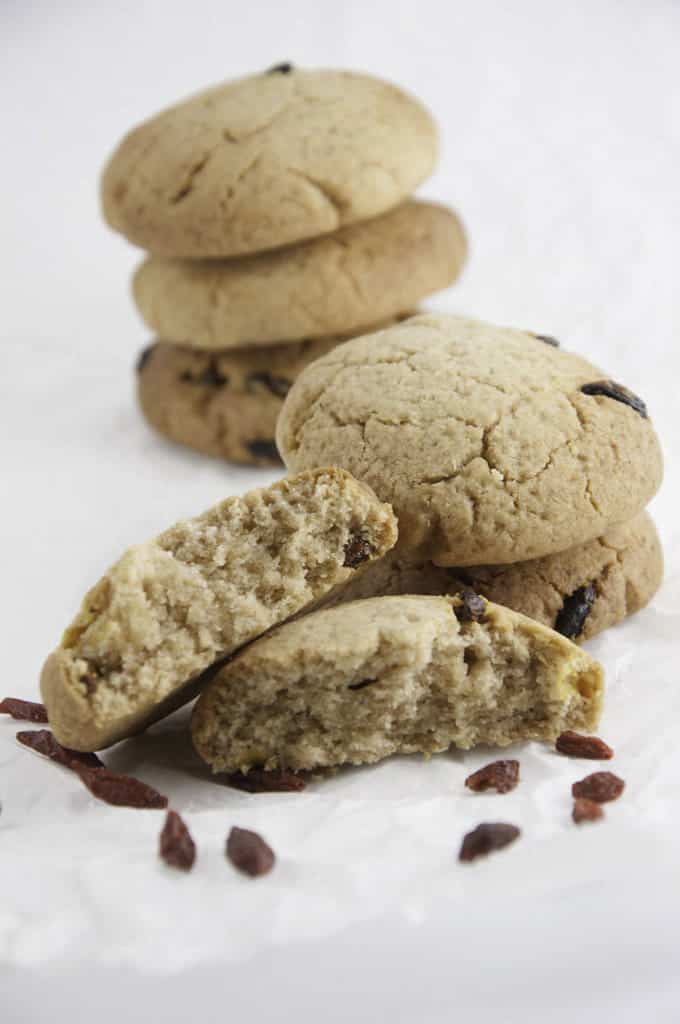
x=575 y=609
x=610 y=389
x=144 y=357
x=278 y=386
x=471 y=607
x=264 y=450
x=358 y=549
x=281 y=69
x=548 y=339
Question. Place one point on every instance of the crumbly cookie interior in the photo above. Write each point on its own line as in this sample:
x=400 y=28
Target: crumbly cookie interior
x=420 y=682
x=173 y=606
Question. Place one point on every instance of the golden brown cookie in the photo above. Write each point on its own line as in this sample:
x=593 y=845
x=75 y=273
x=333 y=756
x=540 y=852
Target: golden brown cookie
x=492 y=446
x=263 y=161
x=339 y=284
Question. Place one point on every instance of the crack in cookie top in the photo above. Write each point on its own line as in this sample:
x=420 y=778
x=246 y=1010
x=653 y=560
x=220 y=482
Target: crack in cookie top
x=481 y=437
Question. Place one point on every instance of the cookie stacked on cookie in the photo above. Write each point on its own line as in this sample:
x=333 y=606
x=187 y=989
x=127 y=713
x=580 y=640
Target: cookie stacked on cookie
x=276 y=212
x=515 y=468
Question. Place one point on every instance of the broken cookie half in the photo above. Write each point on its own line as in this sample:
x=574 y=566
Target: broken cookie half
x=149 y=634
x=388 y=675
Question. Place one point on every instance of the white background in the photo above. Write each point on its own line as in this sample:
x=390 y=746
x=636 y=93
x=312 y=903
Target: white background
x=561 y=150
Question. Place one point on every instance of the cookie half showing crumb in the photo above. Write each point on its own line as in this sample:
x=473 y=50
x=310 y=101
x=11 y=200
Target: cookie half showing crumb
x=172 y=607
x=393 y=675
x=579 y=592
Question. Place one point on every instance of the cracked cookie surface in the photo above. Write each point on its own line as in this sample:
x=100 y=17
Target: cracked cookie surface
x=356 y=683
x=624 y=568
x=223 y=403
x=338 y=284
x=481 y=437
x=171 y=608
x=266 y=160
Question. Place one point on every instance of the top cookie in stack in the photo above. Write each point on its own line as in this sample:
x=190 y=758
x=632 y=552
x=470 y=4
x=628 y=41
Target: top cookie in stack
x=276 y=212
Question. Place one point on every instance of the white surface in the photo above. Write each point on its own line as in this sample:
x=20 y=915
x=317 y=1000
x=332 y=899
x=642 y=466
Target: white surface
x=561 y=148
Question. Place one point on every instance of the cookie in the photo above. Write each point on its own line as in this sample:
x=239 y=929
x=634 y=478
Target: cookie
x=492 y=445
x=267 y=160
x=223 y=403
x=393 y=675
x=579 y=592
x=339 y=284
x=172 y=607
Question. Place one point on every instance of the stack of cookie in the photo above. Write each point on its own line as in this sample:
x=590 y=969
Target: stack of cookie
x=276 y=213
x=515 y=468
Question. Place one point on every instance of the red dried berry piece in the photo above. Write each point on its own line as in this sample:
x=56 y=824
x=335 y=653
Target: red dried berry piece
x=176 y=846
x=499 y=775
x=42 y=741
x=257 y=780
x=23 y=710
x=575 y=745
x=121 y=790
x=586 y=810
x=249 y=853
x=600 y=787
x=486 y=838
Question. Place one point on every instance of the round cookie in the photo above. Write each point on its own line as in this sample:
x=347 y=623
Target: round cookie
x=579 y=592
x=340 y=283
x=492 y=445
x=259 y=162
x=223 y=403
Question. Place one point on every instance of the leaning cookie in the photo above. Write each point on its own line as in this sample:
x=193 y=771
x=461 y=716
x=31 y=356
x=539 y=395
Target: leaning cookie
x=579 y=592
x=356 y=683
x=223 y=403
x=172 y=607
x=339 y=284
x=492 y=446
x=266 y=160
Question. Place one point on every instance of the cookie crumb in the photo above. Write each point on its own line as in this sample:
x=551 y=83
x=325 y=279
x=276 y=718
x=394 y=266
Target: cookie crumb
x=502 y=776
x=486 y=838
x=600 y=787
x=574 y=744
x=176 y=847
x=586 y=810
x=248 y=852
